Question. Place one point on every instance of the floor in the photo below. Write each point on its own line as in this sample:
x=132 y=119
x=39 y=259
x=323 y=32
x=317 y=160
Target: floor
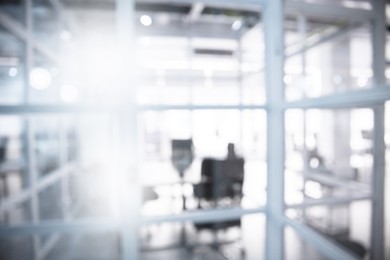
x=249 y=247
x=163 y=241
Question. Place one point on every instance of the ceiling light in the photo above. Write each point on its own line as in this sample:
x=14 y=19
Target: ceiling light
x=236 y=25
x=40 y=78
x=12 y=72
x=146 y=20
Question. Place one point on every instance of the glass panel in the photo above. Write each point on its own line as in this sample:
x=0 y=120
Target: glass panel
x=12 y=68
x=358 y=4
x=252 y=67
x=50 y=156
x=14 y=9
x=210 y=132
x=324 y=57
x=236 y=239
x=46 y=146
x=354 y=240
x=328 y=173
x=16 y=247
x=16 y=214
x=296 y=248
x=13 y=177
x=202 y=70
x=95 y=245
x=46 y=24
x=60 y=246
x=328 y=156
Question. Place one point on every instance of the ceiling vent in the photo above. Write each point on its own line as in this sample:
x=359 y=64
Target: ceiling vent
x=202 y=51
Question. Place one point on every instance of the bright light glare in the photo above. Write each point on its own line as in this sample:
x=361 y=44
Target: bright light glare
x=40 y=78
x=12 y=72
x=146 y=20
x=236 y=25
x=362 y=82
x=100 y=62
x=287 y=79
x=144 y=41
x=313 y=189
x=69 y=93
x=65 y=35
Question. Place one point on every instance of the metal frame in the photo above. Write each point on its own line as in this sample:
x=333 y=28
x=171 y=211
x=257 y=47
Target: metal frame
x=322 y=243
x=378 y=179
x=29 y=125
x=325 y=37
x=276 y=105
x=25 y=34
x=40 y=185
x=86 y=109
x=249 y=5
x=329 y=201
x=273 y=19
x=355 y=98
x=328 y=11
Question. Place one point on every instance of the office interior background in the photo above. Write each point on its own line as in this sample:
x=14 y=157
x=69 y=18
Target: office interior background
x=185 y=129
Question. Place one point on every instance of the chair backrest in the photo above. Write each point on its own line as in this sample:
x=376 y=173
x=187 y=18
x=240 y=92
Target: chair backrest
x=228 y=178
x=220 y=179
x=207 y=169
x=204 y=190
x=182 y=154
x=234 y=169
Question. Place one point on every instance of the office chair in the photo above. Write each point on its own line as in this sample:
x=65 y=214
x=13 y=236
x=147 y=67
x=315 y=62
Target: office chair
x=221 y=182
x=220 y=187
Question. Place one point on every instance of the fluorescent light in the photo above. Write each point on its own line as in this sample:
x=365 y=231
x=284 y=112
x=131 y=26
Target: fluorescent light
x=146 y=20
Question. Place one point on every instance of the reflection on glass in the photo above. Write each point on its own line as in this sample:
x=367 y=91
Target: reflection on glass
x=296 y=248
x=328 y=153
x=211 y=131
x=329 y=158
x=314 y=68
x=210 y=241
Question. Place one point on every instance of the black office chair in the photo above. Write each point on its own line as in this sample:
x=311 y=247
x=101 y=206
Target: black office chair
x=221 y=182
x=220 y=186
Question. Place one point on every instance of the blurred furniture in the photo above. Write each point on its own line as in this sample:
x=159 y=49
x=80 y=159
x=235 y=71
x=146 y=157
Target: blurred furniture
x=148 y=194
x=220 y=186
x=221 y=183
x=333 y=222
x=3 y=148
x=182 y=155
